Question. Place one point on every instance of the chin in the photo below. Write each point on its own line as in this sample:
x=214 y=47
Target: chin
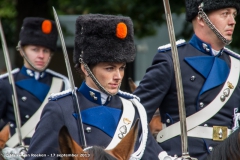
x=40 y=68
x=113 y=91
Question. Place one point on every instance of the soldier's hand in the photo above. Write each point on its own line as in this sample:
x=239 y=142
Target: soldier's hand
x=164 y=156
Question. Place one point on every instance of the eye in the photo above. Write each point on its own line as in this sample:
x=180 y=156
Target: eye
x=35 y=49
x=122 y=68
x=235 y=15
x=109 y=68
x=225 y=14
x=46 y=50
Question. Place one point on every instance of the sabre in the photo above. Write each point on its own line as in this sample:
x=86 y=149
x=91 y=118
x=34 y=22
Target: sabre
x=72 y=85
x=12 y=83
x=178 y=77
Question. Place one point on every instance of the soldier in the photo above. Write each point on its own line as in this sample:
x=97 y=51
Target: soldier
x=210 y=77
x=103 y=46
x=37 y=44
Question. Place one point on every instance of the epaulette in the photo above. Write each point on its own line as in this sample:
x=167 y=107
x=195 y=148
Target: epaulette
x=56 y=96
x=231 y=53
x=16 y=70
x=65 y=79
x=127 y=95
x=167 y=47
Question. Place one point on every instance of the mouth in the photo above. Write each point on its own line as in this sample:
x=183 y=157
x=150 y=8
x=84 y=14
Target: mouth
x=114 y=85
x=39 y=63
x=229 y=32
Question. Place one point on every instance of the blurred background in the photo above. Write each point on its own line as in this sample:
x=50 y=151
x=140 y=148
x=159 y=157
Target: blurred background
x=149 y=27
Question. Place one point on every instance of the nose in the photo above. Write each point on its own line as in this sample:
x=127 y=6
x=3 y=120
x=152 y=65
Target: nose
x=41 y=54
x=232 y=20
x=118 y=75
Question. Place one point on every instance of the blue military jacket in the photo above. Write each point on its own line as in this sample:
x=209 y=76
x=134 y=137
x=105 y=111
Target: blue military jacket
x=30 y=94
x=99 y=123
x=203 y=76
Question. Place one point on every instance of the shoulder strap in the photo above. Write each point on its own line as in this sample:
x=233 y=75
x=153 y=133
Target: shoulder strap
x=125 y=123
x=210 y=110
x=16 y=70
x=137 y=155
x=29 y=127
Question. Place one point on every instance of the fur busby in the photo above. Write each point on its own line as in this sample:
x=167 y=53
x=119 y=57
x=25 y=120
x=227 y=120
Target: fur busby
x=39 y=31
x=209 y=5
x=104 y=38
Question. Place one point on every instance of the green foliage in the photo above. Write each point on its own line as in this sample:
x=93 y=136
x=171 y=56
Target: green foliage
x=146 y=14
x=8 y=18
x=7 y=9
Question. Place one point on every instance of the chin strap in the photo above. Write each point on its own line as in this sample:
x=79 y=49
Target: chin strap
x=205 y=18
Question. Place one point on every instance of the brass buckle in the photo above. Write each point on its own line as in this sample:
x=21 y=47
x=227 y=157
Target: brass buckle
x=220 y=133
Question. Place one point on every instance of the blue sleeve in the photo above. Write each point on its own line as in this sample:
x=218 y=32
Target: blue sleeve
x=45 y=139
x=155 y=83
x=5 y=91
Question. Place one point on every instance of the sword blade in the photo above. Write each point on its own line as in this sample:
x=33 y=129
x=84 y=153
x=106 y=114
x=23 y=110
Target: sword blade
x=180 y=95
x=12 y=83
x=72 y=85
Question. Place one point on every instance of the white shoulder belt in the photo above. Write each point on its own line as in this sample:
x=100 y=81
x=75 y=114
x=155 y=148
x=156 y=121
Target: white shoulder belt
x=207 y=112
x=28 y=128
x=124 y=124
x=129 y=113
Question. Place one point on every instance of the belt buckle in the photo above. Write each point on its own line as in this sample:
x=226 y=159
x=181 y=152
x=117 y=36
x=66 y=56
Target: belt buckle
x=220 y=133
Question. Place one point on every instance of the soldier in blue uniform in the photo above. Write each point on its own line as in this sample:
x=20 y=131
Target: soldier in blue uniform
x=103 y=46
x=37 y=43
x=210 y=78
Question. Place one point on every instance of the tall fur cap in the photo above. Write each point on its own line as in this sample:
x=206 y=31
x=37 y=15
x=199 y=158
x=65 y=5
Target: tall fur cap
x=96 y=38
x=39 y=31
x=209 y=5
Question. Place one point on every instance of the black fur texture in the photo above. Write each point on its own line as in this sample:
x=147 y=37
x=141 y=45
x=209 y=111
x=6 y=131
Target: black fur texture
x=96 y=38
x=31 y=33
x=209 y=5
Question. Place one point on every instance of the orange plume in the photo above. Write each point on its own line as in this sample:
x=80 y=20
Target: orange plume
x=121 y=30
x=46 y=26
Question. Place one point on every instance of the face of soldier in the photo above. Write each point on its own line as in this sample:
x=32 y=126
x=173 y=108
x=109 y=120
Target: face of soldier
x=224 y=21
x=39 y=56
x=109 y=75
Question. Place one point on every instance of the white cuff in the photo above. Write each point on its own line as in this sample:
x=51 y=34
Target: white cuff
x=164 y=156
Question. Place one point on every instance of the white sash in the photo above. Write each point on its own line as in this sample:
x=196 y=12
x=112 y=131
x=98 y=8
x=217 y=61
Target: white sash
x=28 y=129
x=207 y=112
x=128 y=114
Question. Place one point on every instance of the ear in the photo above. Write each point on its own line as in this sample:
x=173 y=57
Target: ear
x=67 y=144
x=200 y=21
x=125 y=148
x=4 y=135
x=83 y=69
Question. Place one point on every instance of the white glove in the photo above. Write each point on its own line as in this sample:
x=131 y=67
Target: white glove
x=164 y=156
x=17 y=153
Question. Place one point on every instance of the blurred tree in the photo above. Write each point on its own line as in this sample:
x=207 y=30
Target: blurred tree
x=147 y=15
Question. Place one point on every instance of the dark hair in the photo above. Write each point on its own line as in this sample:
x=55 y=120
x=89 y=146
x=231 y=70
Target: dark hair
x=79 y=70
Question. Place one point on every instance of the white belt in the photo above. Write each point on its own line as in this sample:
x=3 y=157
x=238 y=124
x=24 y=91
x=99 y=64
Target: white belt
x=28 y=129
x=206 y=132
x=127 y=115
x=206 y=113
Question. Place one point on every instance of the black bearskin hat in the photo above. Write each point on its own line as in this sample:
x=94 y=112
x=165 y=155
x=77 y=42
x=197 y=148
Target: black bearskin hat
x=39 y=31
x=104 y=38
x=209 y=5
